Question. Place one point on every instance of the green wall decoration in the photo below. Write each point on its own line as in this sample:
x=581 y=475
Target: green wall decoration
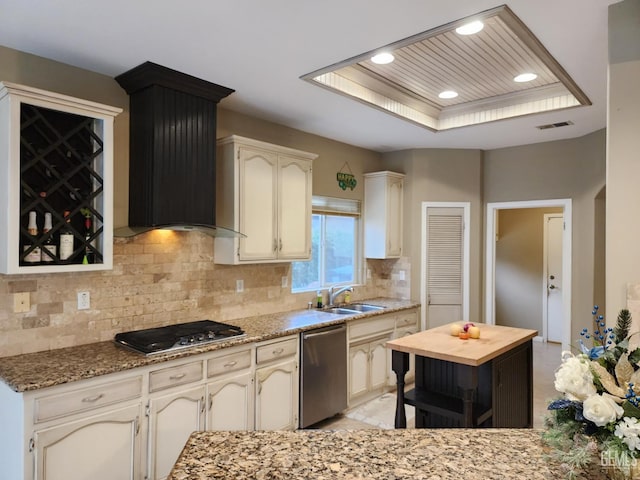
x=346 y=180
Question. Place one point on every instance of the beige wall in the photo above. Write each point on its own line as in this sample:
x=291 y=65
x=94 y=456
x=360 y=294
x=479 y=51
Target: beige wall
x=441 y=175
x=572 y=169
x=520 y=267
x=160 y=278
x=623 y=164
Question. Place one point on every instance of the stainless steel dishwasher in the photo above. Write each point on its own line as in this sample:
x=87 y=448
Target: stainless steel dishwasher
x=323 y=374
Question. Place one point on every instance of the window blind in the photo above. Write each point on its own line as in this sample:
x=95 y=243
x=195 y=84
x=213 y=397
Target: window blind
x=335 y=206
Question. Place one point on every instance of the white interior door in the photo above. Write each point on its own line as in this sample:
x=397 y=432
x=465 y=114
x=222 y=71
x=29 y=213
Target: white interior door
x=552 y=295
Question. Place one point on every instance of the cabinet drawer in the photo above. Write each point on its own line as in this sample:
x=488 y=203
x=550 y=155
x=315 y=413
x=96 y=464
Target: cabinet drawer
x=407 y=319
x=229 y=363
x=276 y=350
x=53 y=406
x=173 y=376
x=369 y=328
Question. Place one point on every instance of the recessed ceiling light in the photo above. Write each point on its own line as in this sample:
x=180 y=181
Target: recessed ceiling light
x=448 y=94
x=525 y=77
x=470 y=28
x=383 y=58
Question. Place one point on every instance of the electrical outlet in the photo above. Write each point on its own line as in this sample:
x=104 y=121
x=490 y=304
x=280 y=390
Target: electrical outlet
x=21 y=302
x=401 y=275
x=285 y=282
x=84 y=301
x=239 y=286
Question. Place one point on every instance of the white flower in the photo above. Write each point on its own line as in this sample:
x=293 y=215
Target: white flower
x=629 y=431
x=601 y=409
x=574 y=378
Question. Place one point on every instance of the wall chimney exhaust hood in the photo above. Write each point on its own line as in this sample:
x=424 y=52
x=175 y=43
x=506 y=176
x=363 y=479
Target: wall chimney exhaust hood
x=172 y=149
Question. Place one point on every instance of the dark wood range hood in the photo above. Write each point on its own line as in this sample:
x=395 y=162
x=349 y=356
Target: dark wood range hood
x=172 y=166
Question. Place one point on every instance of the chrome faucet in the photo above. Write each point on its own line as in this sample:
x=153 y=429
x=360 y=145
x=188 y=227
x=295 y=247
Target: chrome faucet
x=334 y=294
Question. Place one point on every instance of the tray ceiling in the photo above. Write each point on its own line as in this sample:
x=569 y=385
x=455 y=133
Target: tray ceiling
x=480 y=68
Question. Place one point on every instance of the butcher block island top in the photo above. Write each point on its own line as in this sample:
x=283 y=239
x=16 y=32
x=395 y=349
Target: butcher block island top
x=372 y=454
x=440 y=344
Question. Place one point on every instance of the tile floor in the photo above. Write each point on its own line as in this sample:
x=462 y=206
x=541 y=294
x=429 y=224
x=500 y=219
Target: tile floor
x=379 y=412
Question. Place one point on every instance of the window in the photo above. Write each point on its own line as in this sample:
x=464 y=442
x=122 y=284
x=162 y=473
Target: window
x=334 y=246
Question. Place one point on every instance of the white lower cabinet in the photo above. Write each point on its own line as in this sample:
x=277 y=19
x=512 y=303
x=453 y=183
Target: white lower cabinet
x=277 y=385
x=368 y=366
x=231 y=403
x=276 y=397
x=172 y=418
x=370 y=371
x=99 y=447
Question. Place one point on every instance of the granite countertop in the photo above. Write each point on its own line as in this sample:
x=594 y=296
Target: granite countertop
x=33 y=371
x=433 y=454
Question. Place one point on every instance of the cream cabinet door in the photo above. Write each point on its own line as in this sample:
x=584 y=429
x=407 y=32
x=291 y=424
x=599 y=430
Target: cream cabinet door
x=358 y=370
x=100 y=447
x=383 y=210
x=294 y=226
x=230 y=403
x=378 y=364
x=258 y=172
x=276 y=396
x=394 y=217
x=172 y=418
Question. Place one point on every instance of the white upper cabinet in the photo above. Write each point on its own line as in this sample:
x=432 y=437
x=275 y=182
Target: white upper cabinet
x=56 y=155
x=264 y=192
x=383 y=201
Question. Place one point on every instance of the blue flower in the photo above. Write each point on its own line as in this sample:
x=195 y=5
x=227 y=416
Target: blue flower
x=593 y=353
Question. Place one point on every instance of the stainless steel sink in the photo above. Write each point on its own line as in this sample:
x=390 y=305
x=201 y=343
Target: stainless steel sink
x=340 y=311
x=363 y=307
x=353 y=308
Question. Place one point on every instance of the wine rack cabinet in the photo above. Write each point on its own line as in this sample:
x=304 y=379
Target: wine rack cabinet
x=56 y=155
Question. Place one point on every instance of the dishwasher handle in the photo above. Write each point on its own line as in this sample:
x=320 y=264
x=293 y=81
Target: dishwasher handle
x=324 y=331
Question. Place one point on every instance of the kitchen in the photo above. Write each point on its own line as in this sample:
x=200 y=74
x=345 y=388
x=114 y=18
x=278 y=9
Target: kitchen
x=159 y=280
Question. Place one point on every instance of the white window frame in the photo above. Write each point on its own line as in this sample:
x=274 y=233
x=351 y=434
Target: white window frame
x=333 y=206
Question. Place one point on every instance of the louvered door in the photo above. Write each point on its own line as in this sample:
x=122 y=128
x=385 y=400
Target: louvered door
x=445 y=265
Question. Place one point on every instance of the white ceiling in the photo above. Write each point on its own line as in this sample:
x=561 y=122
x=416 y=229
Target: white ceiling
x=261 y=48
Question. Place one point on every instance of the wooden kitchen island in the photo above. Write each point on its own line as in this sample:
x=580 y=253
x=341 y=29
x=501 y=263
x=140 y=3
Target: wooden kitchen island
x=484 y=382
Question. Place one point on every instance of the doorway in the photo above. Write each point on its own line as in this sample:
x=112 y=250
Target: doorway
x=490 y=267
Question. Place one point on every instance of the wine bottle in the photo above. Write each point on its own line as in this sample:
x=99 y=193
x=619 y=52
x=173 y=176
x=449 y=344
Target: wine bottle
x=33 y=257
x=49 y=248
x=88 y=251
x=66 y=238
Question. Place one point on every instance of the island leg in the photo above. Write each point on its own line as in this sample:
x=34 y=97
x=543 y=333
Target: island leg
x=400 y=365
x=468 y=384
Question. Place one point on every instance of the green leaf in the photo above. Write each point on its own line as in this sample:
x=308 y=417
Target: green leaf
x=634 y=357
x=630 y=410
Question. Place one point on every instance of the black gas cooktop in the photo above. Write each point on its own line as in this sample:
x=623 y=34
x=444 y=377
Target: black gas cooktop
x=177 y=337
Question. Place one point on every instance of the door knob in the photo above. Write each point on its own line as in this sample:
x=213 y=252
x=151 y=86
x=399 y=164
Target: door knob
x=551 y=287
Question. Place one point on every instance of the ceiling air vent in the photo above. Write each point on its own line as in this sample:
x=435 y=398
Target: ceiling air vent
x=554 y=125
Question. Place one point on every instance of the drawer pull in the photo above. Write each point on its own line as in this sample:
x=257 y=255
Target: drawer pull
x=93 y=399
x=177 y=376
x=278 y=351
x=230 y=364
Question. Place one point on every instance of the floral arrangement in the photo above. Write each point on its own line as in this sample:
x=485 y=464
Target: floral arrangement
x=596 y=423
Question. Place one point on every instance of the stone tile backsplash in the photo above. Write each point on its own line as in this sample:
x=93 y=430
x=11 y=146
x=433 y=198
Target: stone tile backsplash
x=158 y=278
